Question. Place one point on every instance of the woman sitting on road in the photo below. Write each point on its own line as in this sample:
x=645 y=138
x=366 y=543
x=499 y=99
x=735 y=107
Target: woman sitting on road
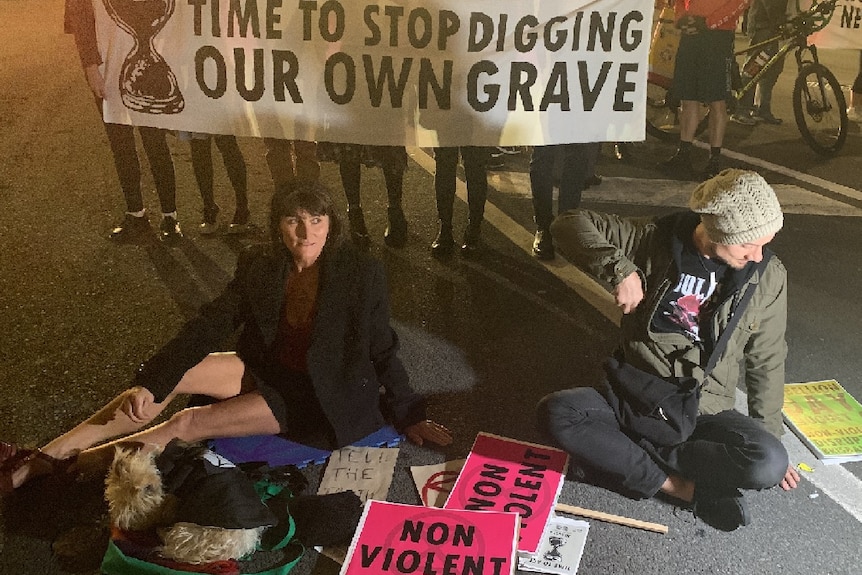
x=315 y=348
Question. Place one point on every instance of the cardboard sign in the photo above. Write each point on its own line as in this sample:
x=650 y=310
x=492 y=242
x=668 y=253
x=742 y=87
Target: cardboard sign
x=410 y=539
x=503 y=474
x=434 y=482
x=367 y=471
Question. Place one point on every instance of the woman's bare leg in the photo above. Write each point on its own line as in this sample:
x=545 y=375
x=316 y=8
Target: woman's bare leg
x=219 y=375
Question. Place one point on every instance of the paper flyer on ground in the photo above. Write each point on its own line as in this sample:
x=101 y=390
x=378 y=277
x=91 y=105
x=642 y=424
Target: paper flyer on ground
x=434 y=482
x=412 y=539
x=561 y=549
x=503 y=474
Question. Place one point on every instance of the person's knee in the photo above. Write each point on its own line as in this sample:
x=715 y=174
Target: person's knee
x=558 y=411
x=769 y=462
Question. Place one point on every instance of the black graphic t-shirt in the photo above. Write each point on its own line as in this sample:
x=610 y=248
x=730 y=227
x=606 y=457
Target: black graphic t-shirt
x=690 y=303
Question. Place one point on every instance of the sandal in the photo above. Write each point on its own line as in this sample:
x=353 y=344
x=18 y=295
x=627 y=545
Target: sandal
x=22 y=457
x=7 y=450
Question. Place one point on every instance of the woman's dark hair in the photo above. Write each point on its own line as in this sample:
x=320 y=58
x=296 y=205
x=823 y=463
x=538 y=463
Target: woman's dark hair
x=311 y=197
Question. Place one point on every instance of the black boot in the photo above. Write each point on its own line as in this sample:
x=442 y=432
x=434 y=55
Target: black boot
x=358 y=231
x=395 y=235
x=444 y=244
x=543 y=245
x=472 y=234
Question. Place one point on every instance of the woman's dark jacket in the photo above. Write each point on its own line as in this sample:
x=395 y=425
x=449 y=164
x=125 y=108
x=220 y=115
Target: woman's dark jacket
x=352 y=361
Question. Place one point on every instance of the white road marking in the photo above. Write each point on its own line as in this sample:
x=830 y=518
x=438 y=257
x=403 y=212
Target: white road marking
x=833 y=480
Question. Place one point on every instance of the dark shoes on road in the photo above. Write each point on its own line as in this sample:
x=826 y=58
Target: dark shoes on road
x=543 y=245
x=677 y=165
x=395 y=235
x=131 y=229
x=169 y=230
x=721 y=508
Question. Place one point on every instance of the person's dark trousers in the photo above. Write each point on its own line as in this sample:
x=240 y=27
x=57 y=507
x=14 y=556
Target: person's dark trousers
x=234 y=164
x=575 y=160
x=726 y=450
x=393 y=161
x=122 y=141
x=475 y=171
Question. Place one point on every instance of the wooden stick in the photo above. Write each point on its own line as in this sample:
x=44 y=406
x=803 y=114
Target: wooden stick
x=571 y=509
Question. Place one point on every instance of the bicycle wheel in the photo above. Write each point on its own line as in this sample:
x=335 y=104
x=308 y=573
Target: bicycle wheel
x=662 y=114
x=820 y=109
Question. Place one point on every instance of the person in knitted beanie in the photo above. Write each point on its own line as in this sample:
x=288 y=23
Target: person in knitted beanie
x=704 y=299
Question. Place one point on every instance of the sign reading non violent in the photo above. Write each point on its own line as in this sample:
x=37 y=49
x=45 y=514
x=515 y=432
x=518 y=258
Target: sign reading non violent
x=450 y=72
x=410 y=539
x=503 y=474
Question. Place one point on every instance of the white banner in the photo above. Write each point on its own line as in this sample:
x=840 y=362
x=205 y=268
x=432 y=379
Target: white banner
x=411 y=72
x=844 y=29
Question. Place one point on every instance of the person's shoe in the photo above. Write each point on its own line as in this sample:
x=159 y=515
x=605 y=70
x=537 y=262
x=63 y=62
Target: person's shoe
x=395 y=235
x=723 y=509
x=358 y=231
x=444 y=244
x=768 y=119
x=169 y=230
x=472 y=235
x=712 y=168
x=209 y=225
x=241 y=222
x=678 y=164
x=744 y=118
x=543 y=245
x=854 y=115
x=623 y=151
x=594 y=180
x=132 y=228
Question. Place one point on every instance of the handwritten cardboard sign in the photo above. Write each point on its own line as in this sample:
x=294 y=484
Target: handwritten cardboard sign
x=503 y=474
x=367 y=471
x=411 y=539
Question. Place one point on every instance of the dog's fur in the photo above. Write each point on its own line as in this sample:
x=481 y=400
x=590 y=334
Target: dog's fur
x=137 y=502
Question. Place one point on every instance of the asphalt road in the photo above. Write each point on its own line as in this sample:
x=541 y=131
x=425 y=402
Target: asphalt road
x=485 y=338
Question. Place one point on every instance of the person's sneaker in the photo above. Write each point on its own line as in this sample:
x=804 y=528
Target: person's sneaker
x=169 y=230
x=854 y=115
x=744 y=118
x=240 y=224
x=209 y=225
x=678 y=164
x=723 y=509
x=712 y=168
x=131 y=229
x=768 y=119
x=543 y=245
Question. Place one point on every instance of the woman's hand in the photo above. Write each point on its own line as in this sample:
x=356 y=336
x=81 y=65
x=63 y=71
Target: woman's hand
x=791 y=479
x=95 y=81
x=428 y=430
x=139 y=405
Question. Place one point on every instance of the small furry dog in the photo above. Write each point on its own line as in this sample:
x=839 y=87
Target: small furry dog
x=138 y=501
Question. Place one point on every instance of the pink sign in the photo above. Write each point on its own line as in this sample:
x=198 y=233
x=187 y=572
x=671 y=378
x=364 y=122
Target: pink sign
x=411 y=539
x=504 y=474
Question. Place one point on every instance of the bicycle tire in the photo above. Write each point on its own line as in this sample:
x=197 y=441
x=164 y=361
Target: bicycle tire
x=820 y=109
x=662 y=114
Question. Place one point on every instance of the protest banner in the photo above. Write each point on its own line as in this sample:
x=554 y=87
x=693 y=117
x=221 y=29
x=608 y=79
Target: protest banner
x=503 y=474
x=407 y=539
x=844 y=30
x=402 y=72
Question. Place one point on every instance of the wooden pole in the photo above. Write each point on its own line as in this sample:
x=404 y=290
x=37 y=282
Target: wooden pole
x=572 y=510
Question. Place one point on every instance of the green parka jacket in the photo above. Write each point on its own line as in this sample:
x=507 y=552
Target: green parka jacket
x=611 y=247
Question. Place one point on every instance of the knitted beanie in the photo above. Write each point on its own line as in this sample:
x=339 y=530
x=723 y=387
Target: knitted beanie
x=737 y=207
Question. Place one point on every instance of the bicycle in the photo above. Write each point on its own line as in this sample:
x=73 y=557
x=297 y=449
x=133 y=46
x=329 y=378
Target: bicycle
x=819 y=107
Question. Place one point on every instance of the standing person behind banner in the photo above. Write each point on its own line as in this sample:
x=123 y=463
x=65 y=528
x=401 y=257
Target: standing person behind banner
x=854 y=112
x=237 y=173
x=681 y=280
x=79 y=20
x=475 y=159
x=393 y=161
x=291 y=161
x=575 y=161
x=765 y=18
x=702 y=75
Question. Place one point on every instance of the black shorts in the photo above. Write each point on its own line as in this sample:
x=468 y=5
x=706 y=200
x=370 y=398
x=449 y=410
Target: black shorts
x=703 y=66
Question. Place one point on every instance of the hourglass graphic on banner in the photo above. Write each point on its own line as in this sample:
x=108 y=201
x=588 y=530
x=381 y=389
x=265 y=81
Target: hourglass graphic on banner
x=147 y=83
